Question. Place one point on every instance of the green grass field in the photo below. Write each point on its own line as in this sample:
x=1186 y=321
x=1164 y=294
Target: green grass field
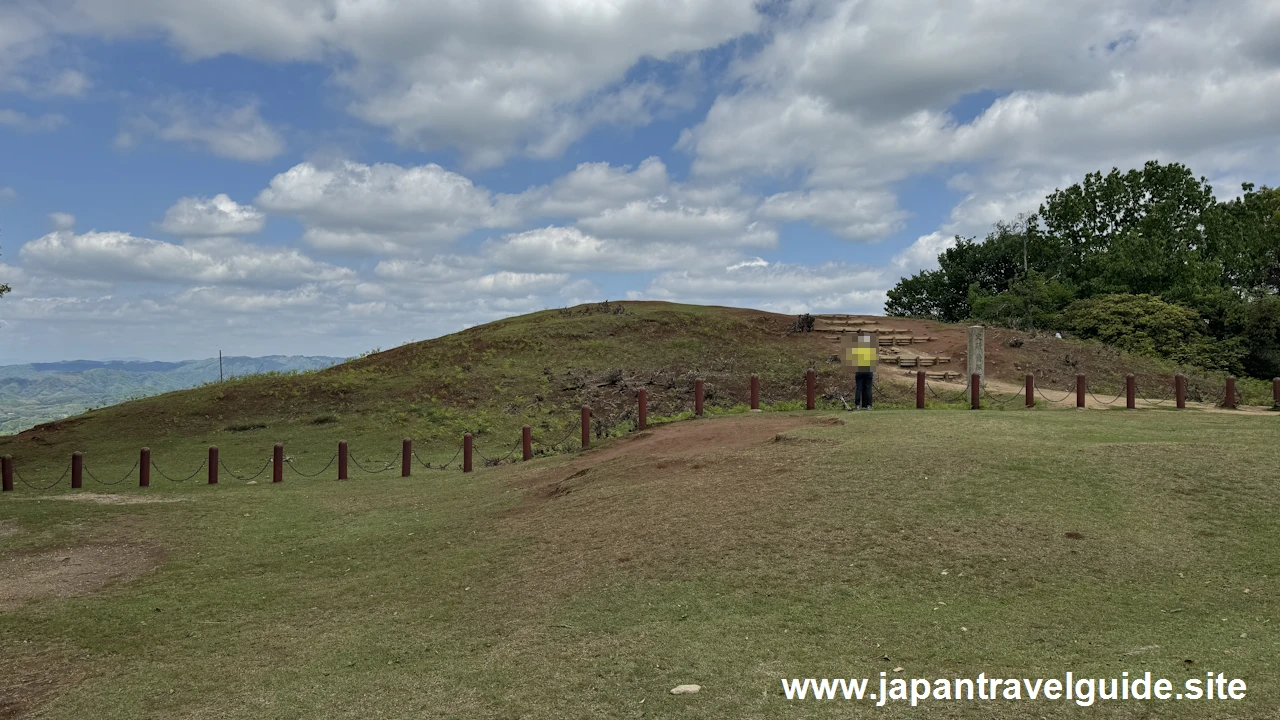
x=728 y=552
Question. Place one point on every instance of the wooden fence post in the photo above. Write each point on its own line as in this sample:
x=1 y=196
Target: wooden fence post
x=144 y=468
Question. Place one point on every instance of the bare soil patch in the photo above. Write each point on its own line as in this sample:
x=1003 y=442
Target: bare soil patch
x=7 y=528
x=691 y=444
x=73 y=571
x=112 y=498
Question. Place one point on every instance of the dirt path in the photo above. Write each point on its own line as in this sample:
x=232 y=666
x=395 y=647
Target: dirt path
x=1067 y=398
x=677 y=442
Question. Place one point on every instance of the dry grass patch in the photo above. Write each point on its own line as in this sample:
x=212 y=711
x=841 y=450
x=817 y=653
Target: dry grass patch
x=110 y=498
x=73 y=571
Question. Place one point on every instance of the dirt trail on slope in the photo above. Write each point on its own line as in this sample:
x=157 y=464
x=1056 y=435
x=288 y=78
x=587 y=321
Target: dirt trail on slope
x=677 y=442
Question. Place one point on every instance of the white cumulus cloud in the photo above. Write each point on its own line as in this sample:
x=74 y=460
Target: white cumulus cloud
x=218 y=215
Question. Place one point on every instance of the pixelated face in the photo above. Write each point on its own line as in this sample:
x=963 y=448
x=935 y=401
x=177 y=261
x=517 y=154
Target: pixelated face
x=859 y=355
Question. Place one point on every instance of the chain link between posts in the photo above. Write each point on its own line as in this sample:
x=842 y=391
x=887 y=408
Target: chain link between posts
x=963 y=394
x=44 y=487
x=1100 y=401
x=289 y=461
x=386 y=465
x=166 y=477
x=265 y=465
x=427 y=465
x=117 y=482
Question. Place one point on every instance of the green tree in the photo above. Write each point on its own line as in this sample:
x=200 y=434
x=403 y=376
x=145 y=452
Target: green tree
x=943 y=294
x=1031 y=302
x=1245 y=234
x=1257 y=323
x=1146 y=325
x=1140 y=231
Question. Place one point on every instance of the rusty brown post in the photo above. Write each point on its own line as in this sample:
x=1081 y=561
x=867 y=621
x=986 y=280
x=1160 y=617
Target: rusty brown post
x=920 y=384
x=1130 y=391
x=697 y=397
x=144 y=468
x=77 y=469
x=213 y=464
x=1275 y=392
x=342 y=459
x=6 y=472
x=277 y=463
x=642 y=399
x=1031 y=390
x=755 y=392
x=526 y=440
x=467 y=446
x=1230 y=400
x=810 y=389
x=1180 y=389
x=406 y=452
x=1080 y=390
x=586 y=426
x=975 y=387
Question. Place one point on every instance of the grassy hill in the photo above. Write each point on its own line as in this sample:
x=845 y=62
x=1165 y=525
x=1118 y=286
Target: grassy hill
x=535 y=369
x=36 y=393
x=730 y=552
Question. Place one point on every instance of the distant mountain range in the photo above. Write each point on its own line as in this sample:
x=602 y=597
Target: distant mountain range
x=40 y=392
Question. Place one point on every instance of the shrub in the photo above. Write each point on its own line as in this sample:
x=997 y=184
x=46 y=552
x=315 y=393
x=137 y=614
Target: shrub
x=1147 y=325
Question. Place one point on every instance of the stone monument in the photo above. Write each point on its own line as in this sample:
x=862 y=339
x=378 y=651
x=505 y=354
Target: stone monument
x=975 y=354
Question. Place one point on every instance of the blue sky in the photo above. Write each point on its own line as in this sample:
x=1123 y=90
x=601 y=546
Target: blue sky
x=280 y=177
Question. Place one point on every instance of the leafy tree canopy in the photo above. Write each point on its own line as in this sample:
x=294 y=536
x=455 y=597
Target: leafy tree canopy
x=1156 y=232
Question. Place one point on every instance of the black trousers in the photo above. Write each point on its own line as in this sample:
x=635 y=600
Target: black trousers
x=862 y=389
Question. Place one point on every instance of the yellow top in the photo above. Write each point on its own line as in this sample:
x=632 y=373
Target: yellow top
x=864 y=357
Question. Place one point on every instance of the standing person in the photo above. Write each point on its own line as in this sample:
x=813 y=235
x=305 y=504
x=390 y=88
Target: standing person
x=864 y=365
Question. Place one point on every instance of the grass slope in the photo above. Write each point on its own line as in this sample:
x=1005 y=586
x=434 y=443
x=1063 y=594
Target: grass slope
x=723 y=552
x=492 y=379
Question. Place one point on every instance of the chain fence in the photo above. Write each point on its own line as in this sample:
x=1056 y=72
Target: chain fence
x=497 y=461
x=887 y=392
x=166 y=477
x=998 y=402
x=251 y=478
x=289 y=461
x=962 y=395
x=1108 y=403
x=445 y=466
x=387 y=465
x=1062 y=399
x=42 y=487
x=117 y=482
